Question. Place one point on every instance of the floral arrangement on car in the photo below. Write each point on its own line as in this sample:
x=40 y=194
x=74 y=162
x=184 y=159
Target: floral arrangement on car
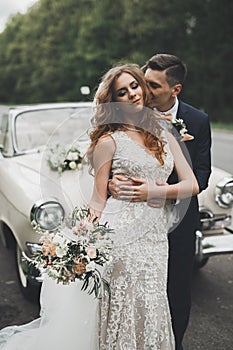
x=182 y=130
x=75 y=251
x=61 y=158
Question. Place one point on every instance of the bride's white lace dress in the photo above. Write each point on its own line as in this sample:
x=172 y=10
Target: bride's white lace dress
x=135 y=316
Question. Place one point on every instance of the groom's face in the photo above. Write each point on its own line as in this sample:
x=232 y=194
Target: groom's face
x=162 y=95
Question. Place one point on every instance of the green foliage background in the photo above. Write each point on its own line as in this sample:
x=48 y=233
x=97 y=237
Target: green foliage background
x=48 y=53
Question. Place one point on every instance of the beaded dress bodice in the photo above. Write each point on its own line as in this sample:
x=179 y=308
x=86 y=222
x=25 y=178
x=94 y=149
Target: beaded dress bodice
x=132 y=159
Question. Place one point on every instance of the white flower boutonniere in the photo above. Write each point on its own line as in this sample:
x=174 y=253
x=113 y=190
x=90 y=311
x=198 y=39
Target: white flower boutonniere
x=181 y=128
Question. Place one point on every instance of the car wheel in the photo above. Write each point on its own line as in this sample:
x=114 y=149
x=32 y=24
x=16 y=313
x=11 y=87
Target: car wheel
x=198 y=264
x=7 y=237
x=29 y=288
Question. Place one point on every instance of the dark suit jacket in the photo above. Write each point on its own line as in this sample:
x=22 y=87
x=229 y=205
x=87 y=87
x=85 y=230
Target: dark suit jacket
x=197 y=152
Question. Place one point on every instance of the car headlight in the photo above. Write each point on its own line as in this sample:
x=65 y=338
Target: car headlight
x=224 y=193
x=48 y=215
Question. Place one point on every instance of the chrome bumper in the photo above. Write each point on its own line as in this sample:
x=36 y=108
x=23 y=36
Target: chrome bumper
x=213 y=238
x=215 y=224
x=213 y=245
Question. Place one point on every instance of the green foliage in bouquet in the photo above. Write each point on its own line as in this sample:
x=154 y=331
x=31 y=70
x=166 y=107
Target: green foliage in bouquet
x=75 y=251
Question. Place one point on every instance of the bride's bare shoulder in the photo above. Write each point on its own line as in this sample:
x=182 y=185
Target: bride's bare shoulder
x=106 y=138
x=105 y=144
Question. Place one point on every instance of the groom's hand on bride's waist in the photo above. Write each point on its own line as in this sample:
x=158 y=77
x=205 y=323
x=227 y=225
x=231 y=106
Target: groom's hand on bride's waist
x=128 y=189
x=135 y=190
x=116 y=183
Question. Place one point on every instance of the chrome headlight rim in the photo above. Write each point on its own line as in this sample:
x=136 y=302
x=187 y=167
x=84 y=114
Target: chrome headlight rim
x=224 y=193
x=38 y=206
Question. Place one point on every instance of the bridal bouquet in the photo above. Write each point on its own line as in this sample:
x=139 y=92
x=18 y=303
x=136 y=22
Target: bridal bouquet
x=75 y=251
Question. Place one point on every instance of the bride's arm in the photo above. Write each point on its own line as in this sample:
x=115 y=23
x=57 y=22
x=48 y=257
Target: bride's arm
x=187 y=185
x=102 y=161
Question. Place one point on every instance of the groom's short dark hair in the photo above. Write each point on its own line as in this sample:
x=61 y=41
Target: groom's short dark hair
x=176 y=70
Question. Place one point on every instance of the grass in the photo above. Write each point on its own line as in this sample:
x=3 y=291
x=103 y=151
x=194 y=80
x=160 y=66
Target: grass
x=222 y=126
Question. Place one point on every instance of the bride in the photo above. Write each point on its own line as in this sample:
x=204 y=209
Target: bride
x=126 y=139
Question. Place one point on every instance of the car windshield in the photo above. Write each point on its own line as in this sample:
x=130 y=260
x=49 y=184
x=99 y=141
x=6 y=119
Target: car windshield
x=36 y=128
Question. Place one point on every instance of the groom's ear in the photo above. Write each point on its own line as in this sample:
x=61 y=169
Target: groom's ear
x=176 y=90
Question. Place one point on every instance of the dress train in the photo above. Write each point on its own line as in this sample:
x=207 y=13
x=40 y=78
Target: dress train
x=67 y=321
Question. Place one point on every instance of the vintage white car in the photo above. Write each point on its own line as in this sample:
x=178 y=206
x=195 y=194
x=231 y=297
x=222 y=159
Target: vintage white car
x=34 y=186
x=37 y=185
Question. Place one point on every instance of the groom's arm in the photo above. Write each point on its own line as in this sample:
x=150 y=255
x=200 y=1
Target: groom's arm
x=202 y=166
x=122 y=188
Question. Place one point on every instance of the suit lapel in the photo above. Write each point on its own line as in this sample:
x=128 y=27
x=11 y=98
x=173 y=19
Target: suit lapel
x=182 y=112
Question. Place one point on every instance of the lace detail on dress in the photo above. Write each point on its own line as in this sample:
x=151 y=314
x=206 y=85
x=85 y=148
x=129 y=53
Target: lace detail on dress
x=133 y=220
x=136 y=317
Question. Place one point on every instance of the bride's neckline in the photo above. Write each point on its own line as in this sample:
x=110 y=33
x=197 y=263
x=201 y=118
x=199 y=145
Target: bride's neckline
x=139 y=145
x=132 y=129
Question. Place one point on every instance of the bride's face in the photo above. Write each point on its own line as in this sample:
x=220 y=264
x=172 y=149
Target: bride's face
x=127 y=90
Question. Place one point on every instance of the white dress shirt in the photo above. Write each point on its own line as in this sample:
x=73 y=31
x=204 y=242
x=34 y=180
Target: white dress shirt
x=172 y=111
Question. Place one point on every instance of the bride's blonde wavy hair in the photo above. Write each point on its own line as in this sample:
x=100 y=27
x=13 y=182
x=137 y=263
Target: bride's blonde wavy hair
x=108 y=116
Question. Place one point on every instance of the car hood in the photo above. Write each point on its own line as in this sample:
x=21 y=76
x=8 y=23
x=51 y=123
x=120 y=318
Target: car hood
x=27 y=178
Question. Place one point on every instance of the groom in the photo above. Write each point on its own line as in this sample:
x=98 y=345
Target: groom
x=165 y=75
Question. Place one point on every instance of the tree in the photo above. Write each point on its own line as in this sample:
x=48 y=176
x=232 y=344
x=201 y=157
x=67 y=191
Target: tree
x=60 y=45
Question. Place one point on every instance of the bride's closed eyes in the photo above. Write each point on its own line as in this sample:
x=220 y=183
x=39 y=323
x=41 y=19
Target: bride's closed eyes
x=123 y=91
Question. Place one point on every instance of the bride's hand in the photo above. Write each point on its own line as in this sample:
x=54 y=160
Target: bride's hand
x=95 y=215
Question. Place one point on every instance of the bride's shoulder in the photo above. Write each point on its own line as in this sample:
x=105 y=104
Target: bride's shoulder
x=105 y=142
x=167 y=136
x=111 y=136
x=105 y=138
x=172 y=143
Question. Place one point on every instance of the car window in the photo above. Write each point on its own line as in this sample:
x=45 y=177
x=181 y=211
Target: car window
x=37 y=128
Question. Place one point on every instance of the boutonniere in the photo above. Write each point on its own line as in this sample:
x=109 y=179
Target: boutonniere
x=182 y=130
